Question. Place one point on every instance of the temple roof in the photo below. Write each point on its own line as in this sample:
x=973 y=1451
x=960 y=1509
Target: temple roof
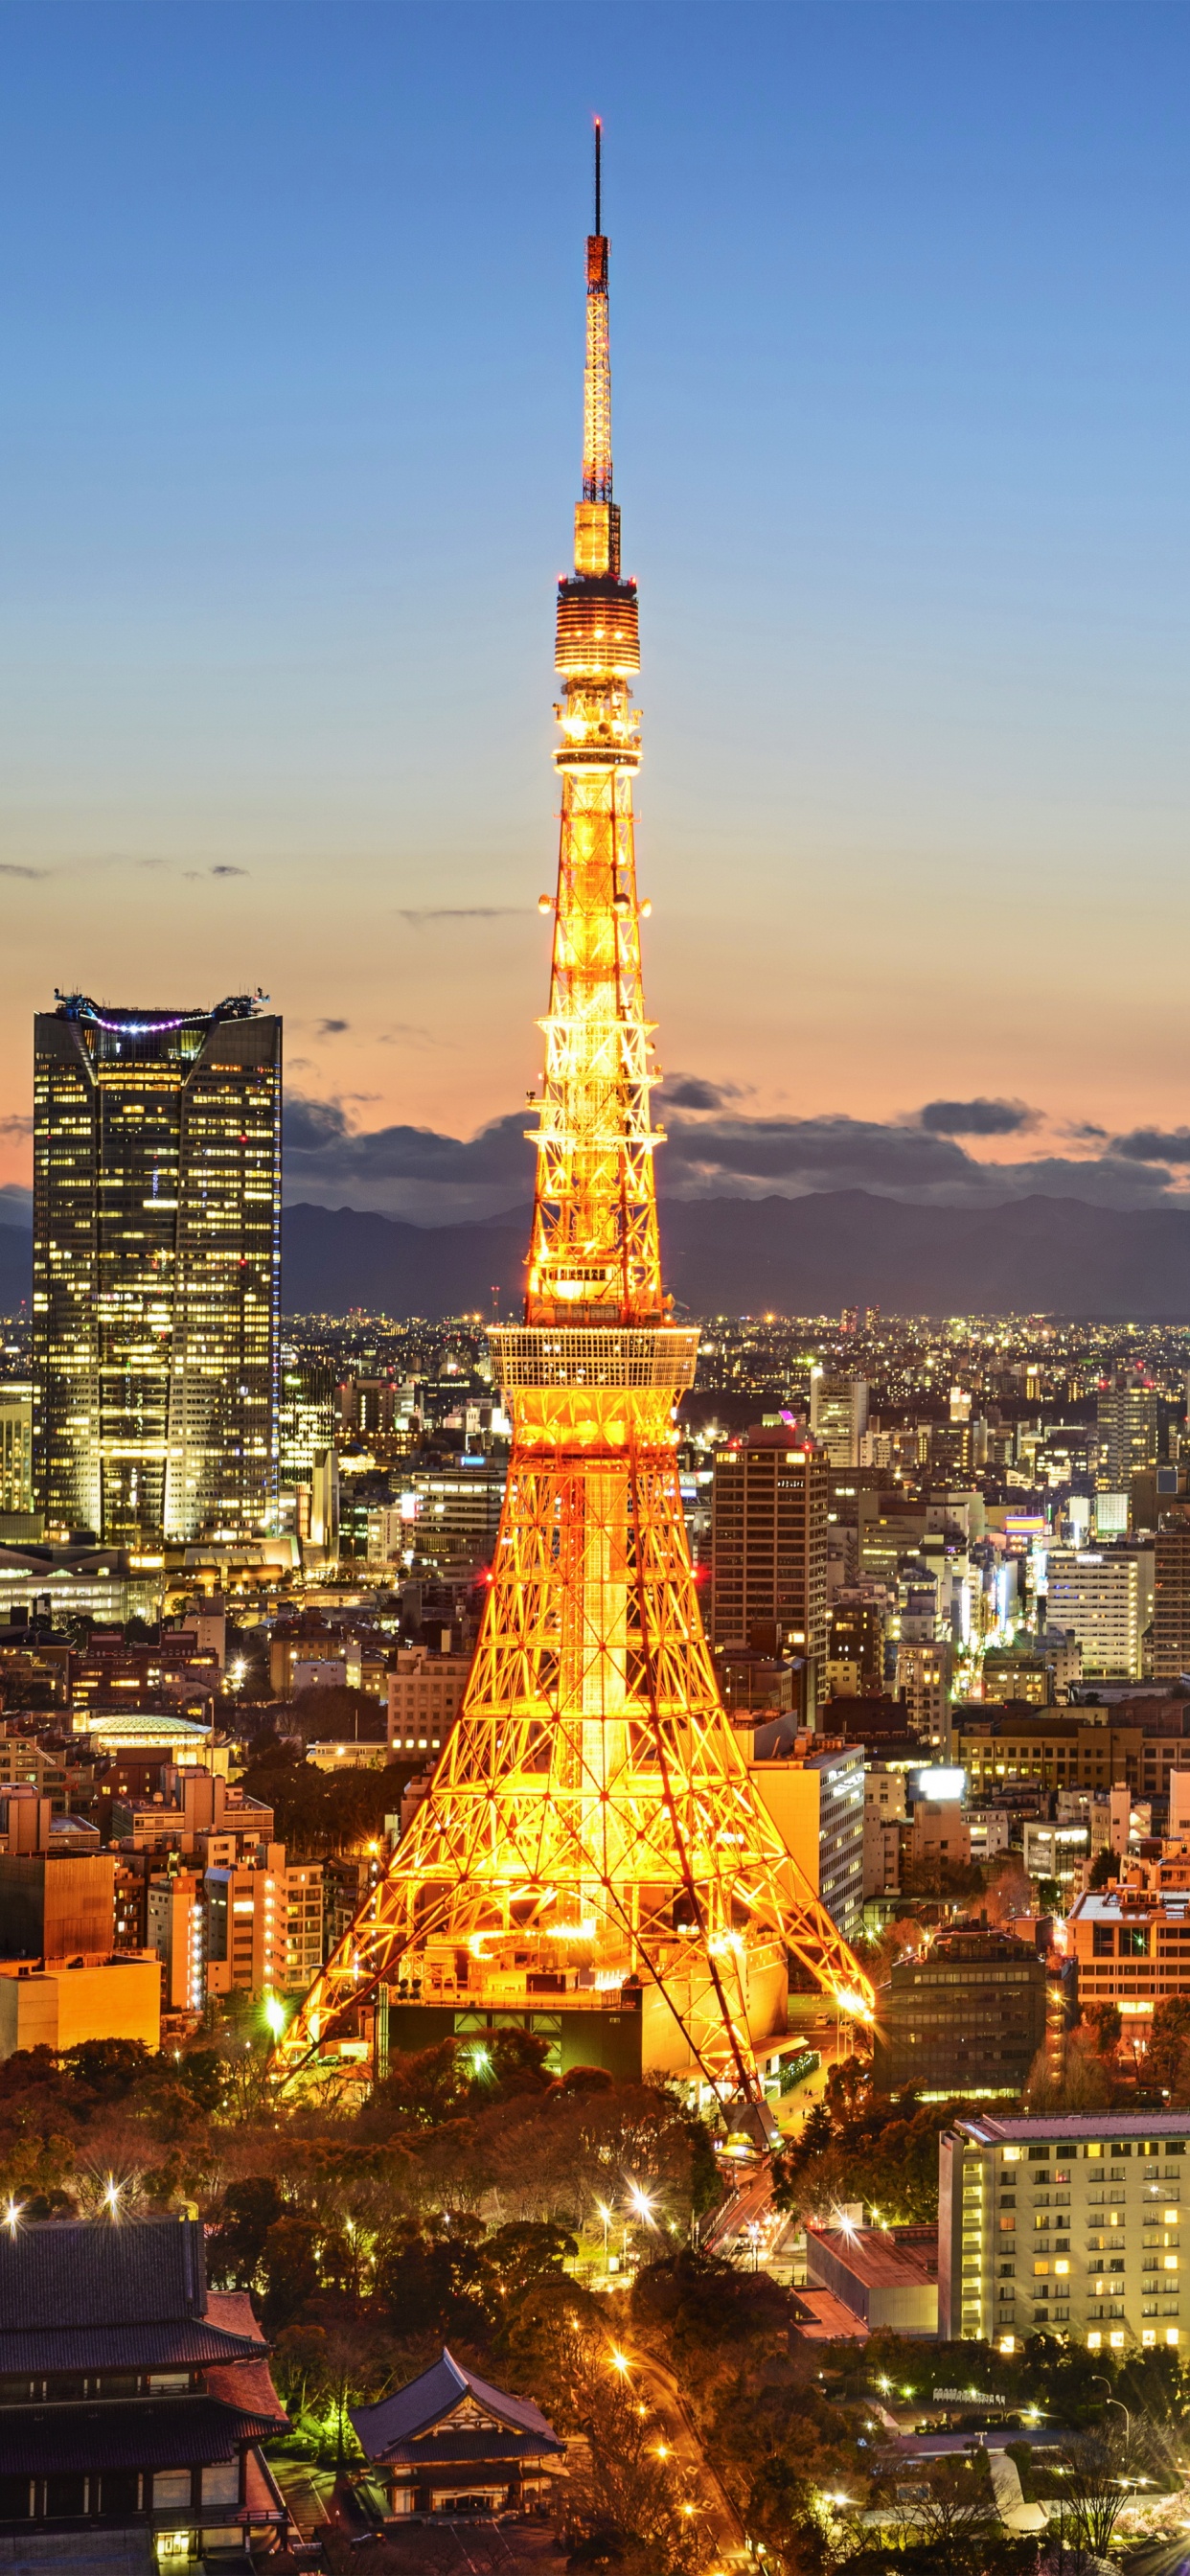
x=139 y=2433
x=412 y=2413
x=101 y=2272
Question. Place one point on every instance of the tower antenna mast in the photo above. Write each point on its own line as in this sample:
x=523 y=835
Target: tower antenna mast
x=598 y=158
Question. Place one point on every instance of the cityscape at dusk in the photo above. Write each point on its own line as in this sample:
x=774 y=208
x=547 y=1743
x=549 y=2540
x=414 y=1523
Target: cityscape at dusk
x=594 y=1694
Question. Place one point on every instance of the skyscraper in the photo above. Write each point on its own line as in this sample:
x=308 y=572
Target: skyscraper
x=593 y=1861
x=156 y=1270
x=1126 y=1408
x=769 y=1509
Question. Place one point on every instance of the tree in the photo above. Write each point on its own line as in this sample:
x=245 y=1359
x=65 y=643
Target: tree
x=1167 y=2041
x=1095 y=2463
x=1104 y=1867
x=235 y=2245
x=1104 y=2021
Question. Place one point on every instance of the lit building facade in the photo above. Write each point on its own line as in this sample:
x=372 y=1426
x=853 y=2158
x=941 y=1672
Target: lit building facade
x=1126 y=1408
x=1171 y=1603
x=1104 y=1598
x=769 y=1507
x=156 y=1271
x=16 y=1447
x=1072 y=2226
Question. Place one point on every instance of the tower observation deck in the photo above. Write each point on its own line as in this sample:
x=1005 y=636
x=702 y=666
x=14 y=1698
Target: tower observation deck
x=592 y=1859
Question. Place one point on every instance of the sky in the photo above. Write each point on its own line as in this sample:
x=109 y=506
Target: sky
x=291 y=308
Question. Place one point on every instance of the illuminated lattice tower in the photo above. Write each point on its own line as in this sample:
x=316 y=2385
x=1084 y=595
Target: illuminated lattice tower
x=592 y=1857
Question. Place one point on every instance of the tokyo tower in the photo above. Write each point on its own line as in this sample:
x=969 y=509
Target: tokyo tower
x=592 y=1860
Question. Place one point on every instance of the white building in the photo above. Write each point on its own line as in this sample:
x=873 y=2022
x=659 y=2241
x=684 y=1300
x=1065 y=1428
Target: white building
x=1105 y=1596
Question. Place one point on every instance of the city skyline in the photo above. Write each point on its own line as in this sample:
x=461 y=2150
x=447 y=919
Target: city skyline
x=920 y=383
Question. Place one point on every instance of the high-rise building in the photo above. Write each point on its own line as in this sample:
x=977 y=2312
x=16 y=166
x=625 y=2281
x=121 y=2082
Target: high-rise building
x=769 y=1508
x=1126 y=1409
x=1171 y=1603
x=156 y=1270
x=307 y=1416
x=1063 y=2224
x=16 y=1447
x=966 y=2016
x=1104 y=1597
x=592 y=1860
x=838 y=1415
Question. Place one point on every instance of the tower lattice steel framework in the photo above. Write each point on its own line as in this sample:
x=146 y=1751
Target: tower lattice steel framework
x=592 y=1844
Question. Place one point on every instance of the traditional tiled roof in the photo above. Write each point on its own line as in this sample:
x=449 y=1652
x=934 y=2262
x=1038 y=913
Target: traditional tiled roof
x=248 y=2385
x=469 y=2449
x=184 y=2346
x=143 y=2433
x=386 y=2430
x=87 y=2272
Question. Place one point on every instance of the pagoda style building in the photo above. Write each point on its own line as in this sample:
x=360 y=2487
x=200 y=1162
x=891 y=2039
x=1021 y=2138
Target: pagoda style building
x=449 y=2443
x=592 y=1860
x=132 y=2398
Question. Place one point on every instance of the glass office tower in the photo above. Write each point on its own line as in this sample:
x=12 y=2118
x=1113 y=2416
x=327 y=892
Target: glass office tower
x=156 y=1270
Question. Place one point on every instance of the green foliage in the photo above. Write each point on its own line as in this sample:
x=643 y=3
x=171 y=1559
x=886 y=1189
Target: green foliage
x=1167 y=2058
x=323 y=1811
x=1104 y=1867
x=860 y=2146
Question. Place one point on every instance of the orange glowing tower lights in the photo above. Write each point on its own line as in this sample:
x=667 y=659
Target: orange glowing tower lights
x=592 y=1859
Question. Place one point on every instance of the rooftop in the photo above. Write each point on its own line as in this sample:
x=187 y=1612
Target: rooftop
x=1099 y=2124
x=97 y=2272
x=881 y=2261
x=425 y=2403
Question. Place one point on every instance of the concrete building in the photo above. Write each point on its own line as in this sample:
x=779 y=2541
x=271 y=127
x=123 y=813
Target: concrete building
x=16 y=1453
x=1131 y=1939
x=768 y=1544
x=968 y=2016
x=1105 y=1597
x=887 y=2277
x=1171 y=1602
x=263 y=1924
x=424 y=1692
x=815 y=1796
x=939 y=1833
x=1069 y=2226
x=924 y=1671
x=1126 y=1409
x=1056 y=1852
x=884 y=1814
x=117 y=1996
x=56 y=1905
x=838 y=1416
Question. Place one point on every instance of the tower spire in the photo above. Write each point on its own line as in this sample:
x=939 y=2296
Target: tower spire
x=593 y=1855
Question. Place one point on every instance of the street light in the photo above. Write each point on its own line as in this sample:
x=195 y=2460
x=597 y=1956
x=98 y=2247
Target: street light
x=1100 y=2382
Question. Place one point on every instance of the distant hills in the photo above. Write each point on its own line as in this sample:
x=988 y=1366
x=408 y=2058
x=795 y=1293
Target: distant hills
x=807 y=1256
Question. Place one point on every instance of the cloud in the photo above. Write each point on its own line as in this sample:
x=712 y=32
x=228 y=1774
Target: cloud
x=418 y=916
x=689 y=1091
x=229 y=872
x=34 y=875
x=193 y=875
x=1150 y=1145
x=713 y=1152
x=976 y=1117
x=332 y=1028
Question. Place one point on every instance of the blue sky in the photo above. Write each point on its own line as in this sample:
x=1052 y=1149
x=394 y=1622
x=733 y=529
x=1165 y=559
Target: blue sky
x=291 y=309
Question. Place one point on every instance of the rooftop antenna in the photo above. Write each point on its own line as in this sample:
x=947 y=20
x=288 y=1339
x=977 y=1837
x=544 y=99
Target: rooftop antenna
x=598 y=158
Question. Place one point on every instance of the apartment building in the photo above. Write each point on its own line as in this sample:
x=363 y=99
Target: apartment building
x=1131 y=1940
x=1069 y=2226
x=1063 y=1750
x=424 y=1693
x=815 y=1797
x=1105 y=1597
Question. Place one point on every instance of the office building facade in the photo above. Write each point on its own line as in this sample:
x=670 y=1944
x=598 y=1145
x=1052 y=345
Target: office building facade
x=769 y=1503
x=966 y=2017
x=1171 y=1603
x=156 y=1271
x=1126 y=1409
x=1070 y=2226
